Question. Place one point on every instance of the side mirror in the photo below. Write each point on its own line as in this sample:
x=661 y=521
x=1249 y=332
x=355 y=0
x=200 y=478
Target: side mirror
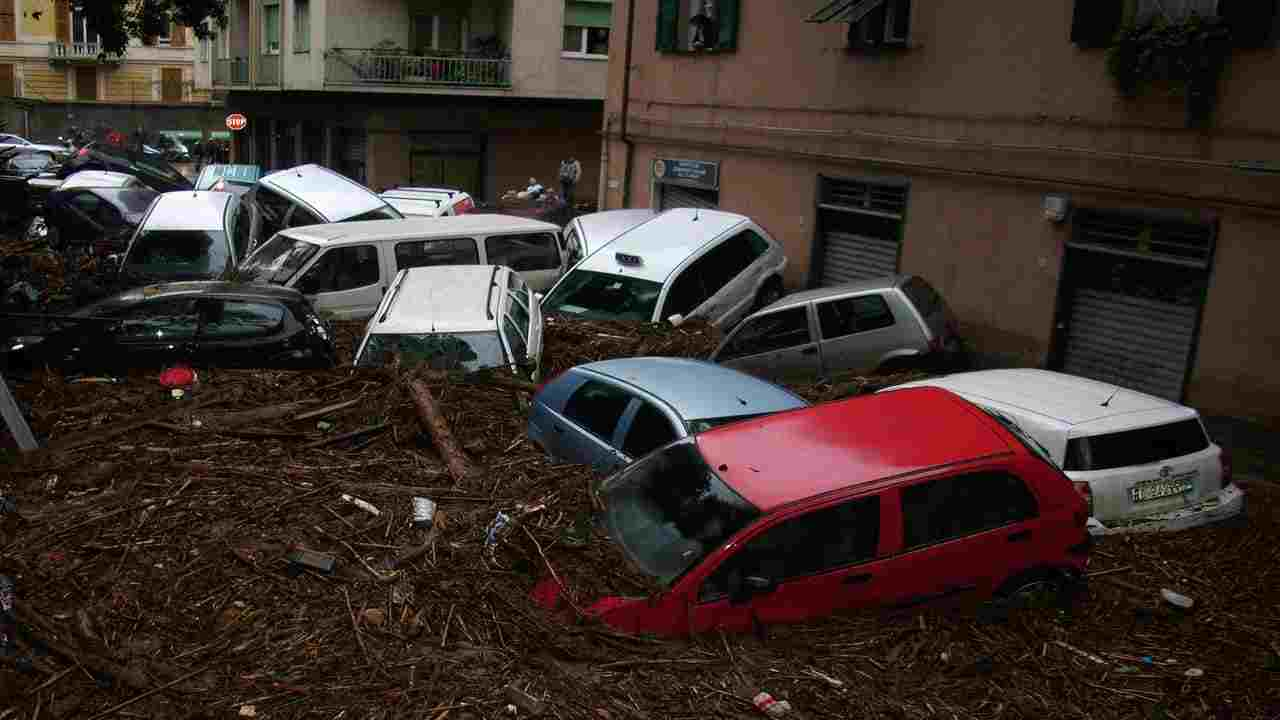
x=676 y=319
x=743 y=588
x=538 y=296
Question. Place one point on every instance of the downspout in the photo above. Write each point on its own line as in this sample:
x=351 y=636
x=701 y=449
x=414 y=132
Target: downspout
x=626 y=101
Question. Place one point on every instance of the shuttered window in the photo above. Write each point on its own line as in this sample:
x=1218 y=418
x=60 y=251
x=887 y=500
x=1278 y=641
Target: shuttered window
x=62 y=20
x=87 y=83
x=8 y=83
x=8 y=29
x=698 y=25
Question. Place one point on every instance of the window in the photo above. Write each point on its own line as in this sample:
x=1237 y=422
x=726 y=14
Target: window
x=1174 y=10
x=573 y=246
x=28 y=162
x=927 y=300
x=516 y=340
x=273 y=209
x=445 y=31
x=171 y=85
x=8 y=28
x=86 y=83
x=601 y=296
x=8 y=82
x=819 y=542
x=726 y=261
x=179 y=254
x=586 y=28
x=159 y=321
x=301 y=25
x=697 y=25
x=233 y=319
x=242 y=229
x=686 y=293
x=166 y=34
x=467 y=351
x=271 y=28
x=940 y=510
x=80 y=32
x=519 y=310
x=649 y=430
x=535 y=251
x=877 y=23
x=847 y=316
x=302 y=216
x=1143 y=446
x=344 y=268
x=766 y=333
x=597 y=407
x=1094 y=22
x=422 y=253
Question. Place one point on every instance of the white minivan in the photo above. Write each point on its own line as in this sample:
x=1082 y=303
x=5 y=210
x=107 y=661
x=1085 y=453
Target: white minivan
x=344 y=269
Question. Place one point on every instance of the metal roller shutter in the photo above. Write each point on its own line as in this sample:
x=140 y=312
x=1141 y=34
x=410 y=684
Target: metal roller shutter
x=860 y=229
x=675 y=196
x=855 y=257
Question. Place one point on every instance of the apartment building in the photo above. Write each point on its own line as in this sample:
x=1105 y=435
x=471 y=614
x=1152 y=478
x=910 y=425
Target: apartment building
x=475 y=94
x=989 y=150
x=53 y=75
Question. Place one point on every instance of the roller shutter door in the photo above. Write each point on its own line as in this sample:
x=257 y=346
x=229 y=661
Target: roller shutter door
x=676 y=196
x=860 y=229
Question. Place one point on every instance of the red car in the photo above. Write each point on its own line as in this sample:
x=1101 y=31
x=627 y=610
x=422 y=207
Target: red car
x=897 y=499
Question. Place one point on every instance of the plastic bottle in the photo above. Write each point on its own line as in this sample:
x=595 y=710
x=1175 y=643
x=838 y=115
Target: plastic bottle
x=771 y=706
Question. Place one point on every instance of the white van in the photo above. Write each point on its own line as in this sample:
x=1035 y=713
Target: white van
x=344 y=269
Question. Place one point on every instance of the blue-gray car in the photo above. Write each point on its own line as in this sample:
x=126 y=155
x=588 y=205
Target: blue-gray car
x=611 y=412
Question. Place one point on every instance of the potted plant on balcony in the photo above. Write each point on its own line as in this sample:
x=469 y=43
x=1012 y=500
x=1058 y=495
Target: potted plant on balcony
x=387 y=61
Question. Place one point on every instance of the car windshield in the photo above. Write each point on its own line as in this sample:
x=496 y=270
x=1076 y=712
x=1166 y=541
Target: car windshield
x=278 y=260
x=669 y=510
x=603 y=296
x=178 y=254
x=386 y=212
x=456 y=351
x=705 y=424
x=1025 y=438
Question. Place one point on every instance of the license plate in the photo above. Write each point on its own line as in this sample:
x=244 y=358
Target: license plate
x=1162 y=488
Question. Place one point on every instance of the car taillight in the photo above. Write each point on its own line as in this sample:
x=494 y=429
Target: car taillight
x=1225 y=458
x=1086 y=492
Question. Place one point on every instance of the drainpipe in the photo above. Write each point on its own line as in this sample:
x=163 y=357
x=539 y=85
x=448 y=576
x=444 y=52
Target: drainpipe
x=626 y=101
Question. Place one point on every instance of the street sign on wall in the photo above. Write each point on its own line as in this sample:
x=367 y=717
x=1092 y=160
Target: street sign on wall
x=692 y=173
x=236 y=121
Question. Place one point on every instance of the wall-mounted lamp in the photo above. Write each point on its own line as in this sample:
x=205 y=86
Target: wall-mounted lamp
x=1056 y=207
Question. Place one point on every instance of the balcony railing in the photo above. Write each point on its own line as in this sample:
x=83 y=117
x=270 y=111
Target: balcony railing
x=268 y=70
x=81 y=52
x=231 y=71
x=347 y=66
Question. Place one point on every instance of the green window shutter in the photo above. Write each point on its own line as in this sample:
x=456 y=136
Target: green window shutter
x=668 y=14
x=728 y=25
x=588 y=14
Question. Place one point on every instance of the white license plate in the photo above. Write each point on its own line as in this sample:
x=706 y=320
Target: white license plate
x=1156 y=489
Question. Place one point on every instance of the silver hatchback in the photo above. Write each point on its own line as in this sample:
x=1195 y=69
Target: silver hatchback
x=892 y=322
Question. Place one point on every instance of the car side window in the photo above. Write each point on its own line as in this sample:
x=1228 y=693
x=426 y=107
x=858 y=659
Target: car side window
x=686 y=293
x=273 y=208
x=766 y=333
x=234 y=319
x=573 y=246
x=159 y=321
x=240 y=234
x=727 y=260
x=649 y=430
x=757 y=244
x=597 y=407
x=87 y=203
x=939 y=510
x=814 y=543
x=531 y=251
x=344 y=268
x=302 y=216
x=847 y=316
x=518 y=311
x=516 y=339
x=422 y=253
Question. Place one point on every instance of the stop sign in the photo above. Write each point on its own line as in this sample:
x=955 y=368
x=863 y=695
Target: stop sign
x=236 y=121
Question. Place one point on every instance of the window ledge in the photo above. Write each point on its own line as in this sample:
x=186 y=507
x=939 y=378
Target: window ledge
x=302 y=52
x=582 y=56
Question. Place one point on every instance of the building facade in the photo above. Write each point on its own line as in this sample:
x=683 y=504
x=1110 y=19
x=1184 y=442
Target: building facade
x=475 y=94
x=988 y=150
x=53 y=75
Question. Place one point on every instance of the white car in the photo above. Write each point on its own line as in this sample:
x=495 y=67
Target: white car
x=683 y=263
x=1144 y=462
x=458 y=317
x=99 y=179
x=188 y=235
x=428 y=202
x=585 y=234
x=311 y=195
x=62 y=152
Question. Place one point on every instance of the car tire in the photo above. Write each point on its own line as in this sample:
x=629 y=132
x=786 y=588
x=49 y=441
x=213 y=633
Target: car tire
x=769 y=294
x=1038 y=587
x=899 y=365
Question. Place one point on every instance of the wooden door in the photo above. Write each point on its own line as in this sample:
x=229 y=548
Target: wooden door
x=171 y=85
x=177 y=36
x=86 y=83
x=8 y=85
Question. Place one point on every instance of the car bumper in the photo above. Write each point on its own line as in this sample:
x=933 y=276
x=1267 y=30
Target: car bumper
x=1227 y=504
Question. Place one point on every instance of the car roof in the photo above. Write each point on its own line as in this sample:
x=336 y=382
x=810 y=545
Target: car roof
x=663 y=242
x=697 y=389
x=1067 y=400
x=790 y=457
x=98 y=179
x=193 y=288
x=189 y=210
x=425 y=192
x=334 y=196
x=416 y=228
x=611 y=223
x=414 y=206
x=884 y=282
x=442 y=298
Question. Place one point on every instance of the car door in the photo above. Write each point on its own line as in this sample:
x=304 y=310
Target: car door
x=345 y=283
x=775 y=344
x=154 y=333
x=962 y=534
x=242 y=333
x=859 y=332
x=587 y=428
x=733 y=270
x=812 y=563
x=79 y=221
x=536 y=256
x=524 y=315
x=645 y=428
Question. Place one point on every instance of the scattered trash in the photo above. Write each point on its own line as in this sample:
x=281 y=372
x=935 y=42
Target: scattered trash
x=22 y=291
x=324 y=426
x=248 y=711
x=362 y=504
x=424 y=512
x=7 y=505
x=96 y=380
x=178 y=393
x=1082 y=653
x=1194 y=673
x=770 y=706
x=8 y=623
x=500 y=523
x=177 y=376
x=526 y=702
x=374 y=617
x=1178 y=600
x=301 y=558
x=826 y=678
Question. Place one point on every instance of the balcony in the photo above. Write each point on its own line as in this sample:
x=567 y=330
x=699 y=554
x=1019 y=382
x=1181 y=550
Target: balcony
x=354 y=66
x=230 y=71
x=81 y=52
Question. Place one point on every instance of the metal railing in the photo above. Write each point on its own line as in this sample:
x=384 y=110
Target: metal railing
x=81 y=51
x=348 y=66
x=231 y=71
x=268 y=70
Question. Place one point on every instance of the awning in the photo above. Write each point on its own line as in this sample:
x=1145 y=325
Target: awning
x=850 y=11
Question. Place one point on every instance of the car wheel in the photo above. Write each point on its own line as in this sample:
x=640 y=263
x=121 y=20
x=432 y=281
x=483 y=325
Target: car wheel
x=1037 y=589
x=898 y=365
x=769 y=294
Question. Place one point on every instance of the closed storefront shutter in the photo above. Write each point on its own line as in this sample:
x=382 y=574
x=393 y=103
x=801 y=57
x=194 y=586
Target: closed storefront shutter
x=1133 y=291
x=860 y=230
x=675 y=196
